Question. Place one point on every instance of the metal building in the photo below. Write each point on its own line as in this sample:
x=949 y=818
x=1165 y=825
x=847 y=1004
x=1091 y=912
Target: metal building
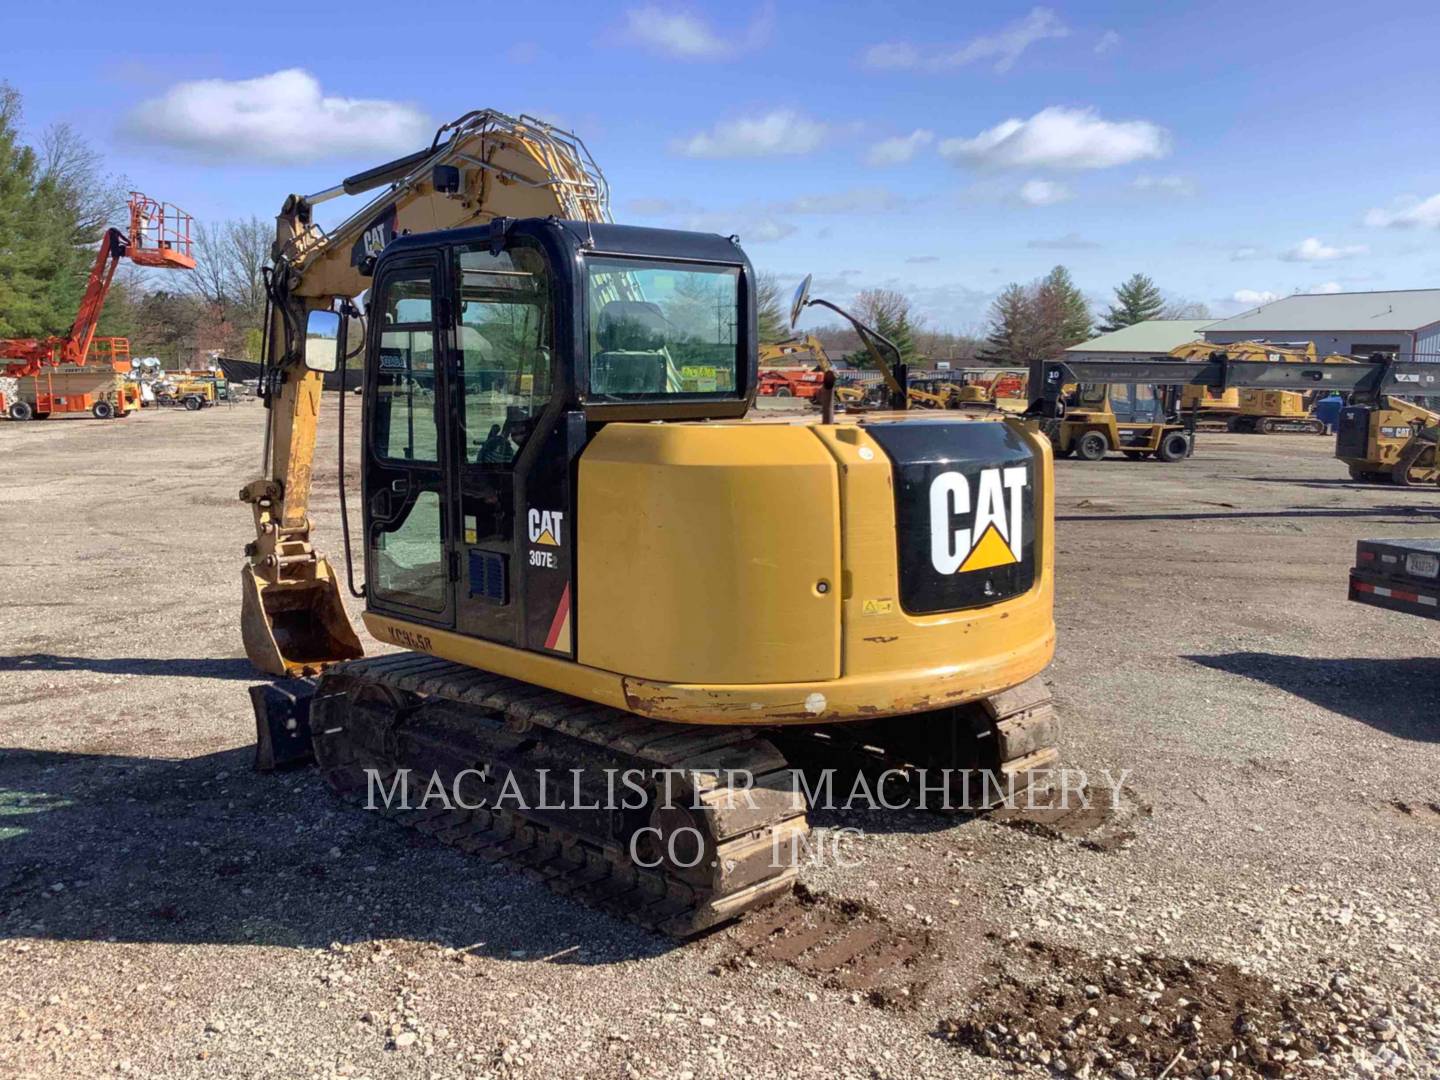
x=1143 y=340
x=1403 y=322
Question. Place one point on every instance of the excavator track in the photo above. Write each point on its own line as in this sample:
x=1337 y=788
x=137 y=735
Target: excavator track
x=1289 y=425
x=409 y=711
x=737 y=847
x=984 y=754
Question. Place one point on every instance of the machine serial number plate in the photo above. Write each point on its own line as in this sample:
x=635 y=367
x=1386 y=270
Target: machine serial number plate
x=1422 y=564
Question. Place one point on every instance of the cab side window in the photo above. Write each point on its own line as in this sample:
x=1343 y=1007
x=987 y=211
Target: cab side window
x=504 y=337
x=404 y=421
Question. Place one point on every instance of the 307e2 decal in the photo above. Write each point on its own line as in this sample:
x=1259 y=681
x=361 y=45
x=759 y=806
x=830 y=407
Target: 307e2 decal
x=545 y=528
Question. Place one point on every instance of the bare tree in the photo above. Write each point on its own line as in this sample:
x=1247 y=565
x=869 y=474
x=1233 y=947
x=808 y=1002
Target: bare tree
x=209 y=279
x=773 y=321
x=1178 y=308
x=882 y=307
x=90 y=195
x=248 y=250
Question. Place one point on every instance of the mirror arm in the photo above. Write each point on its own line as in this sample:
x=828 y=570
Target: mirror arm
x=866 y=334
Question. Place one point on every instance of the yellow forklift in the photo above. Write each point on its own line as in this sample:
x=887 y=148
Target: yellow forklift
x=1138 y=420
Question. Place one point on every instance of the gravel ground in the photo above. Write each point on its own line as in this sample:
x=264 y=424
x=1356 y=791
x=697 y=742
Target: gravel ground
x=166 y=912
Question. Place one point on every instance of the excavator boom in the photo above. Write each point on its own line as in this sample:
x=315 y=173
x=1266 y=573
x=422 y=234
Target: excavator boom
x=481 y=166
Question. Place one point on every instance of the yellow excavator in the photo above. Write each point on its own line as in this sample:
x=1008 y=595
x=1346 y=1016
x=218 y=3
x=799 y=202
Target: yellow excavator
x=1249 y=409
x=596 y=568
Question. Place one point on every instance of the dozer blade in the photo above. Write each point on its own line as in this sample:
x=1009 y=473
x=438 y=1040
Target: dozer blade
x=293 y=628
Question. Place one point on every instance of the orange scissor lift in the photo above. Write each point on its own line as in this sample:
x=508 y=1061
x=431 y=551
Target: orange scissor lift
x=50 y=372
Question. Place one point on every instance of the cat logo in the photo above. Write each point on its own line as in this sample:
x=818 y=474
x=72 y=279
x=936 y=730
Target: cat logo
x=545 y=527
x=996 y=523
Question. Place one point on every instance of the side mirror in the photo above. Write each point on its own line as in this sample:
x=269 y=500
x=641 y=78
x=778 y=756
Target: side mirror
x=322 y=340
x=802 y=297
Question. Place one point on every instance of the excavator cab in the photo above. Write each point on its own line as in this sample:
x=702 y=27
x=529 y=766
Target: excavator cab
x=493 y=355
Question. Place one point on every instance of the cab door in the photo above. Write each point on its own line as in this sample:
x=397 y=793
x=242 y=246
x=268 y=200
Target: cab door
x=511 y=493
x=408 y=519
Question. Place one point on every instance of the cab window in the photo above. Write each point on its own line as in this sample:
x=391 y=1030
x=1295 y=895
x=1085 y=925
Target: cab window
x=404 y=420
x=504 y=337
x=662 y=329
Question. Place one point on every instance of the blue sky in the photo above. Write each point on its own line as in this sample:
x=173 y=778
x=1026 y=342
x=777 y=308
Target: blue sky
x=1230 y=150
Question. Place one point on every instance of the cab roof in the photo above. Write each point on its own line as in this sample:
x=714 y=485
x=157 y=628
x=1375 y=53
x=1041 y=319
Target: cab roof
x=596 y=238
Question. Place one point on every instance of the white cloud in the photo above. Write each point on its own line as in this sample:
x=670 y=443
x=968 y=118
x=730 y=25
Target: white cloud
x=1043 y=193
x=1109 y=42
x=1245 y=254
x=282 y=117
x=1408 y=213
x=900 y=149
x=780 y=131
x=1312 y=250
x=1325 y=288
x=1004 y=47
x=1253 y=297
x=689 y=37
x=1061 y=138
x=1166 y=185
x=918 y=259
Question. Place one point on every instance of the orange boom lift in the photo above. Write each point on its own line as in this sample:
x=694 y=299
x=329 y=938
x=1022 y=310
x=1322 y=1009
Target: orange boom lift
x=159 y=236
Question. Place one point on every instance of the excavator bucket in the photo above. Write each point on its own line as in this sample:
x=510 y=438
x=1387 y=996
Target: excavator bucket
x=293 y=628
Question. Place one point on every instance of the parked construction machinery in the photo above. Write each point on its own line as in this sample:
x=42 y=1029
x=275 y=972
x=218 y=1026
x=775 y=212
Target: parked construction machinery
x=1249 y=409
x=47 y=370
x=1399 y=575
x=100 y=388
x=1385 y=439
x=1138 y=420
x=806 y=382
x=596 y=566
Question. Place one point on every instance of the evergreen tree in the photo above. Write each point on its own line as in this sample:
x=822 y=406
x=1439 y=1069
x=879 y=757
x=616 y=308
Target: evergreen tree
x=1071 y=311
x=23 y=294
x=1136 y=300
x=904 y=339
x=1012 y=328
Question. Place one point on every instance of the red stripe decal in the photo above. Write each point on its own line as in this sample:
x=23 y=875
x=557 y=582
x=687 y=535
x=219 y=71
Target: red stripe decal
x=1361 y=586
x=561 y=610
x=1399 y=594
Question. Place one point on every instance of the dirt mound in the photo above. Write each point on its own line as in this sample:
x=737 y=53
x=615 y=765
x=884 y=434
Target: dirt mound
x=845 y=944
x=1147 y=1016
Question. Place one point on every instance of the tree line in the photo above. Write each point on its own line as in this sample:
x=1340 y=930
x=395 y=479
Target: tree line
x=1044 y=318
x=1038 y=320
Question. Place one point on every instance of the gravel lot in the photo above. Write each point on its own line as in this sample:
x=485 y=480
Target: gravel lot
x=166 y=912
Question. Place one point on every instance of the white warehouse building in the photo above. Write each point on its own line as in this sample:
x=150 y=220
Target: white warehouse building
x=1402 y=322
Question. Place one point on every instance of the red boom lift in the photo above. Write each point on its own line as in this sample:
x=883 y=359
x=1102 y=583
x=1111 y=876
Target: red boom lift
x=159 y=237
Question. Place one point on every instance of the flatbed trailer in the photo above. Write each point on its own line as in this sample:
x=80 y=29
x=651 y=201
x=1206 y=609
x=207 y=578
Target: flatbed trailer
x=1398 y=575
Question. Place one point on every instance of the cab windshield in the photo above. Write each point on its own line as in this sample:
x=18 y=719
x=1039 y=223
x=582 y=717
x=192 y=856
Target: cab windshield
x=661 y=329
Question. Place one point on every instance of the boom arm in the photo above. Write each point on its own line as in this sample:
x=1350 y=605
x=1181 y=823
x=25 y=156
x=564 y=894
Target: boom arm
x=482 y=166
